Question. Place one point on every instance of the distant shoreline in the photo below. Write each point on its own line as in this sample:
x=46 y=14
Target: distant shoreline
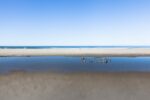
x=100 y=52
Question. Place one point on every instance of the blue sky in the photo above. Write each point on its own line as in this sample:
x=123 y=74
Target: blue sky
x=75 y=22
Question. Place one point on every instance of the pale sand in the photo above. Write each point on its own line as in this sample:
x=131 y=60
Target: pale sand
x=77 y=52
x=77 y=86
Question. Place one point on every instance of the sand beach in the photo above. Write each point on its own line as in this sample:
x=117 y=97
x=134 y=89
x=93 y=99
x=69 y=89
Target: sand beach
x=74 y=86
x=76 y=52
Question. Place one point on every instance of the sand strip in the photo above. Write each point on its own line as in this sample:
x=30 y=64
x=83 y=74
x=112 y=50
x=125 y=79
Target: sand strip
x=77 y=52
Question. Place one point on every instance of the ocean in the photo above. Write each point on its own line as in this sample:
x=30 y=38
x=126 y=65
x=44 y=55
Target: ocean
x=44 y=47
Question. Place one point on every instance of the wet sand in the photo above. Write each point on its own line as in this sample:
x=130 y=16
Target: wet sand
x=74 y=86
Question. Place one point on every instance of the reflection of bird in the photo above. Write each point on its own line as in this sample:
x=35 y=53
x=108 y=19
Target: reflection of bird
x=83 y=60
x=107 y=60
x=104 y=60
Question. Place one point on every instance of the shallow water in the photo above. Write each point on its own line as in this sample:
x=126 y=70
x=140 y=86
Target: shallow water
x=74 y=64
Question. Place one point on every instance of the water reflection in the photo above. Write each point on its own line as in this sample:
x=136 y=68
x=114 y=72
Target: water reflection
x=101 y=60
x=75 y=64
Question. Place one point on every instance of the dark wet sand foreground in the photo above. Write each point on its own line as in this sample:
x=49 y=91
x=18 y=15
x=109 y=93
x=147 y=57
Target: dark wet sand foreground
x=75 y=86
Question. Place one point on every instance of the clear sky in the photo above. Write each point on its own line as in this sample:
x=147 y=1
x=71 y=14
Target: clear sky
x=74 y=22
